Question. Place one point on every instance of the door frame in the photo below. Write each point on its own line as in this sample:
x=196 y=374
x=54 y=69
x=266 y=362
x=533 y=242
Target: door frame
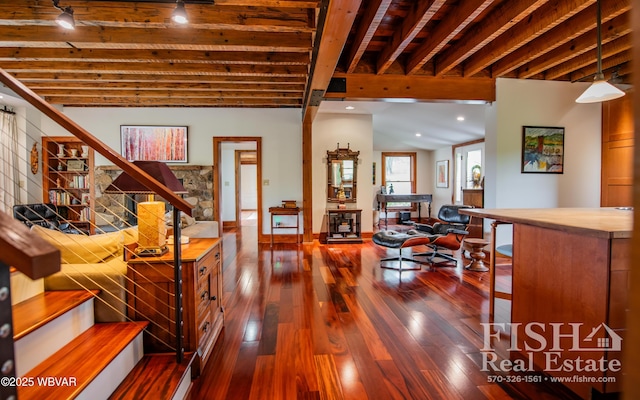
x=217 y=177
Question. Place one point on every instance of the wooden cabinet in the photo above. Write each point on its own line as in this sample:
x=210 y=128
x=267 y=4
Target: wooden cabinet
x=67 y=179
x=475 y=198
x=151 y=298
x=343 y=226
x=617 y=153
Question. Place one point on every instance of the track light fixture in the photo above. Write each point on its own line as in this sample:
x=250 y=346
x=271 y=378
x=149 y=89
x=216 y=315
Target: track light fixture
x=179 y=15
x=600 y=90
x=65 y=19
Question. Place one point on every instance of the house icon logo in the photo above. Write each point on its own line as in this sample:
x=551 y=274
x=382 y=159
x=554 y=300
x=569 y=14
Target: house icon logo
x=605 y=339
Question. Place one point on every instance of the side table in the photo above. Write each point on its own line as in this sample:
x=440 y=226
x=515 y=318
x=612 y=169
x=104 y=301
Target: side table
x=276 y=211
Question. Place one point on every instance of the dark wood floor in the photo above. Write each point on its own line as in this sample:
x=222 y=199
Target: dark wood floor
x=326 y=322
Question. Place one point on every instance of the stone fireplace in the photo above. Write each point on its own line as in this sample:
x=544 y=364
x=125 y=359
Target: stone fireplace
x=196 y=179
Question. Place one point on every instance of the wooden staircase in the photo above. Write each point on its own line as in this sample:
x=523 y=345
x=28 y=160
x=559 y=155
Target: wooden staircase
x=62 y=354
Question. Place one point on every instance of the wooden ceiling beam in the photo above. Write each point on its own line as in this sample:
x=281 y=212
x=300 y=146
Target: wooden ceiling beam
x=609 y=65
x=147 y=56
x=541 y=20
x=158 y=15
x=444 y=32
x=559 y=36
x=164 y=102
x=422 y=12
x=269 y=3
x=421 y=88
x=613 y=53
x=175 y=94
x=612 y=31
x=364 y=33
x=166 y=38
x=152 y=77
x=500 y=20
x=339 y=19
x=156 y=68
x=162 y=86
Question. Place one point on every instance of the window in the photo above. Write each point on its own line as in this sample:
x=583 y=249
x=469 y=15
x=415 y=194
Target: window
x=399 y=176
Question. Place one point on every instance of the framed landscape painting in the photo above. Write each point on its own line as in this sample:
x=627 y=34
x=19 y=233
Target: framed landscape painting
x=442 y=174
x=154 y=143
x=542 y=149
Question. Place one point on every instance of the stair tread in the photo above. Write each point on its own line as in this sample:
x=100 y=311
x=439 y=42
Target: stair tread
x=81 y=360
x=45 y=307
x=156 y=376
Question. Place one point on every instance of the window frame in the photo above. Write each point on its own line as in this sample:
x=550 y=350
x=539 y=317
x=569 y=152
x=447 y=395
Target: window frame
x=414 y=175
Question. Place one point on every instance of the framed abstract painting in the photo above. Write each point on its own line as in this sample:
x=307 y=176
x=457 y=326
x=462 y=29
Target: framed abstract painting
x=542 y=150
x=154 y=143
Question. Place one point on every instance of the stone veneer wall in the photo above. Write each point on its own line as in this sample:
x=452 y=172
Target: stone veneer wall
x=197 y=180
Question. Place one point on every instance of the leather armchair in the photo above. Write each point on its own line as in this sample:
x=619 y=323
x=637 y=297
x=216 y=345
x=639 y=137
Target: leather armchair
x=42 y=214
x=451 y=231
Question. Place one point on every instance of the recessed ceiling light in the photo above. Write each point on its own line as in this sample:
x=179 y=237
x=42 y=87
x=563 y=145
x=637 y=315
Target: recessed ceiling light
x=349 y=108
x=418 y=134
x=460 y=118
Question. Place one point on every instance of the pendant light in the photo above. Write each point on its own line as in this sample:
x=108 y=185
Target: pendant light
x=600 y=90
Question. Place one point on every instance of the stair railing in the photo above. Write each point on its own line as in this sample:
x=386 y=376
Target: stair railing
x=178 y=203
x=34 y=257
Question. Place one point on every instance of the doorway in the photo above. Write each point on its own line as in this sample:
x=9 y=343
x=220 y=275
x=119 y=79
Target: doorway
x=247 y=195
x=233 y=184
x=468 y=168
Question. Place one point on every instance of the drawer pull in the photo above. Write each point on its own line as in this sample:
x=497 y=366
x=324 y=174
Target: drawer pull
x=217 y=256
x=205 y=327
x=204 y=295
x=203 y=270
x=214 y=298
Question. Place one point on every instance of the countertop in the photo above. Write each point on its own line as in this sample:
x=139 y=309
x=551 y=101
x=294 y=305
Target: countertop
x=609 y=222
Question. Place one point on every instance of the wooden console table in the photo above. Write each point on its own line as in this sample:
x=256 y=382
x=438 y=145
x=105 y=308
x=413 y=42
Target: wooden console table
x=151 y=297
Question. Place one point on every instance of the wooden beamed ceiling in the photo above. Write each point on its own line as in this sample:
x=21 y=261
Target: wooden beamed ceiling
x=276 y=53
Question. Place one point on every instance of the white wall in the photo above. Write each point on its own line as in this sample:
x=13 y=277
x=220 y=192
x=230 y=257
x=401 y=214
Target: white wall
x=280 y=130
x=441 y=196
x=357 y=131
x=542 y=103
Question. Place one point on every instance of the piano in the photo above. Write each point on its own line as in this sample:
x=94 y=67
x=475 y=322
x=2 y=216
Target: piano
x=383 y=199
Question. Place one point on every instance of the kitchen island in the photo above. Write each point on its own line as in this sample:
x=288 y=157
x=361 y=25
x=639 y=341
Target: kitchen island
x=569 y=287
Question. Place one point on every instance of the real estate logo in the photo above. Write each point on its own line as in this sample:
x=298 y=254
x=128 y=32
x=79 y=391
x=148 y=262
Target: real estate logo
x=554 y=341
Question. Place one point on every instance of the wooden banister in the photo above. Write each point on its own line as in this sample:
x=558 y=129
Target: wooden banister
x=93 y=142
x=26 y=251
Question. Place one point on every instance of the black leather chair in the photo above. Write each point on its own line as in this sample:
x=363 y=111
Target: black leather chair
x=42 y=214
x=451 y=231
x=400 y=240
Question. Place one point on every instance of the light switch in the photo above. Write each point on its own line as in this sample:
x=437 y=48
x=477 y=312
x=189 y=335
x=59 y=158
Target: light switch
x=265 y=182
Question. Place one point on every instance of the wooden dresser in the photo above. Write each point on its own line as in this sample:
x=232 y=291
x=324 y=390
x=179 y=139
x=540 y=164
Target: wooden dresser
x=151 y=288
x=474 y=197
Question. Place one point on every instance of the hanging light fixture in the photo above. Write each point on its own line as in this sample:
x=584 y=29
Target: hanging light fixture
x=179 y=15
x=65 y=19
x=600 y=90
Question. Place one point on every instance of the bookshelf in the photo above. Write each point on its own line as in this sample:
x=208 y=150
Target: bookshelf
x=68 y=180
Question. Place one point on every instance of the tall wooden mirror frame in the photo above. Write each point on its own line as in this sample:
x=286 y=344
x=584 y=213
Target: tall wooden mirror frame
x=342 y=173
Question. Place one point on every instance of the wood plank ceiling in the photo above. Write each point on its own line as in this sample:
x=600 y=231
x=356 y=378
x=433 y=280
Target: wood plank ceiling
x=265 y=53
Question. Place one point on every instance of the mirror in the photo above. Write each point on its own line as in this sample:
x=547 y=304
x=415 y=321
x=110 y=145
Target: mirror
x=342 y=167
